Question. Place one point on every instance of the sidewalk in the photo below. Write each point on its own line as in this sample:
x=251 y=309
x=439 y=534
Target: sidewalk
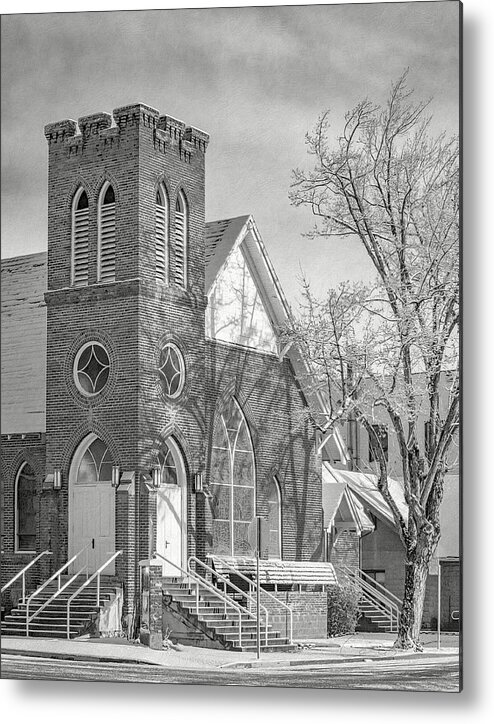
x=358 y=647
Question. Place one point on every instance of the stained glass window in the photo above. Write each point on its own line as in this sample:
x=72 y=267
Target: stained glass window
x=232 y=484
x=26 y=509
x=168 y=466
x=171 y=370
x=91 y=369
x=95 y=465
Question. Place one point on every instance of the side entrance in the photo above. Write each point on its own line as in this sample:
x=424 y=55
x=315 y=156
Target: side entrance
x=171 y=510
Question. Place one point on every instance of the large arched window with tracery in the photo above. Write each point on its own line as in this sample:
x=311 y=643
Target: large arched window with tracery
x=232 y=484
x=25 y=509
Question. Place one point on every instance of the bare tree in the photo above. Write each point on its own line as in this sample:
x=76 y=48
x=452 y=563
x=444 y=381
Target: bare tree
x=386 y=182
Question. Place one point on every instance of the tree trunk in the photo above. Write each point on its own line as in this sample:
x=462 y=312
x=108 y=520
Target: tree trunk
x=416 y=571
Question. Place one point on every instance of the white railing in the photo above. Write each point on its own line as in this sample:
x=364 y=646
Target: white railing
x=202 y=583
x=372 y=592
x=253 y=590
x=97 y=575
x=23 y=574
x=56 y=575
x=226 y=582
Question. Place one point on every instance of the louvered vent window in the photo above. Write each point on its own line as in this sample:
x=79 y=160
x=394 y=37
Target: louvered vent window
x=106 y=262
x=80 y=240
x=161 y=235
x=180 y=261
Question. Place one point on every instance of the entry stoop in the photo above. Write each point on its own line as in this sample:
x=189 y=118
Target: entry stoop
x=199 y=619
x=52 y=621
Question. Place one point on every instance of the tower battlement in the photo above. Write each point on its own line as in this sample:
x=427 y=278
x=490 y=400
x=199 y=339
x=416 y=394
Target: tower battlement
x=167 y=132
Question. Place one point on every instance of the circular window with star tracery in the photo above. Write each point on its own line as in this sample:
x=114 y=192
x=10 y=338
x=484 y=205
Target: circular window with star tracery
x=171 y=370
x=91 y=369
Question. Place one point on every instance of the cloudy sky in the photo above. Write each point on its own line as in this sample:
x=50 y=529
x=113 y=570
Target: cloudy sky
x=256 y=79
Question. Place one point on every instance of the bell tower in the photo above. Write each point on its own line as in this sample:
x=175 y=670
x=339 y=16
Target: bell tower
x=125 y=307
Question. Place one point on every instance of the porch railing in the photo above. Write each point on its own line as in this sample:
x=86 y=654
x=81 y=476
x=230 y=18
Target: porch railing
x=22 y=574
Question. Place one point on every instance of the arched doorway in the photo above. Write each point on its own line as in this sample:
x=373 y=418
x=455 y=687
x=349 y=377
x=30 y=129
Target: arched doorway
x=171 y=509
x=92 y=504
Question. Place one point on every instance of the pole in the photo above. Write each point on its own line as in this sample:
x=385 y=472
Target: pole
x=438 y=603
x=258 y=592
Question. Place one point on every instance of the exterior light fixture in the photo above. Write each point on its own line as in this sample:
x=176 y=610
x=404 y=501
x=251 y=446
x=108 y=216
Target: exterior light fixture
x=115 y=476
x=156 y=476
x=198 y=482
x=57 y=478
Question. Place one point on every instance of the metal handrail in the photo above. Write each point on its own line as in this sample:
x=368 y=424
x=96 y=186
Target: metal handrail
x=23 y=574
x=202 y=582
x=379 y=591
x=58 y=575
x=375 y=584
x=266 y=593
x=96 y=574
x=227 y=582
x=374 y=596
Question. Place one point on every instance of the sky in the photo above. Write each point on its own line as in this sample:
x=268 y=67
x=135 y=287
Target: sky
x=256 y=79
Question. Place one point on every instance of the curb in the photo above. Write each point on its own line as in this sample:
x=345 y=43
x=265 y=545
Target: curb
x=333 y=661
x=76 y=657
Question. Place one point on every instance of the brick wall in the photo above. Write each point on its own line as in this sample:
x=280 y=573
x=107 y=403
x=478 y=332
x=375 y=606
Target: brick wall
x=16 y=450
x=345 y=550
x=309 y=610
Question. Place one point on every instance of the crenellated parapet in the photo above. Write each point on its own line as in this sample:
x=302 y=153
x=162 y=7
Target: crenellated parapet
x=168 y=134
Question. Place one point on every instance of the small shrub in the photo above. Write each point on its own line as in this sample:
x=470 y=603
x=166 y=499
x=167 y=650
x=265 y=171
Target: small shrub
x=343 y=613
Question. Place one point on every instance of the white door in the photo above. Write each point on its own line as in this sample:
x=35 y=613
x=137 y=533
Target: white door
x=92 y=524
x=169 y=531
x=91 y=507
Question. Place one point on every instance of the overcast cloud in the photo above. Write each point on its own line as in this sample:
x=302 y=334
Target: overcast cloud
x=255 y=79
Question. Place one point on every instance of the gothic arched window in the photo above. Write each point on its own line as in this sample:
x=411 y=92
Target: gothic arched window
x=161 y=233
x=232 y=484
x=180 y=241
x=25 y=509
x=80 y=238
x=106 y=234
x=95 y=465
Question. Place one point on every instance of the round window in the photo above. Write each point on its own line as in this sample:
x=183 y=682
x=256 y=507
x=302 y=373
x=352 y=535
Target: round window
x=172 y=370
x=91 y=369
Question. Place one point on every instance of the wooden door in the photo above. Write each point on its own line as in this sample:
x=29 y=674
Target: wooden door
x=169 y=531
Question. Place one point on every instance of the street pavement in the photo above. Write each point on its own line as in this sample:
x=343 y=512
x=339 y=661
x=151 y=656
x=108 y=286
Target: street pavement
x=361 y=661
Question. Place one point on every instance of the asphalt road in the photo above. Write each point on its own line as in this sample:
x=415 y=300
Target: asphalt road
x=408 y=675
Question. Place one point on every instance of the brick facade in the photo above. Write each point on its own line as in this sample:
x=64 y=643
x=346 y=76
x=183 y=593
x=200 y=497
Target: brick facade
x=132 y=317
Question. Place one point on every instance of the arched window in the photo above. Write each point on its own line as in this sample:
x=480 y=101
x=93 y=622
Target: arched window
x=166 y=458
x=161 y=233
x=95 y=464
x=180 y=241
x=232 y=484
x=80 y=238
x=274 y=519
x=106 y=235
x=25 y=509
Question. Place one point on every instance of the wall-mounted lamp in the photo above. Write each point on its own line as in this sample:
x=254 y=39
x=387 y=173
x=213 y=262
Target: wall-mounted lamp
x=156 y=476
x=198 y=482
x=57 y=478
x=115 y=476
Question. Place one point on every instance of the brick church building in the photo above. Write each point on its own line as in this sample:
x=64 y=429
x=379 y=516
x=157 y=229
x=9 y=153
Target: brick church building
x=146 y=408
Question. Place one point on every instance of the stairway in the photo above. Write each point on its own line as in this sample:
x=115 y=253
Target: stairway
x=378 y=606
x=52 y=621
x=216 y=624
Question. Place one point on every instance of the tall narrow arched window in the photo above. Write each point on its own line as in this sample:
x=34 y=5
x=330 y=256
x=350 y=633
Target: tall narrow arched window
x=180 y=241
x=80 y=238
x=232 y=484
x=274 y=519
x=161 y=234
x=106 y=235
x=25 y=509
